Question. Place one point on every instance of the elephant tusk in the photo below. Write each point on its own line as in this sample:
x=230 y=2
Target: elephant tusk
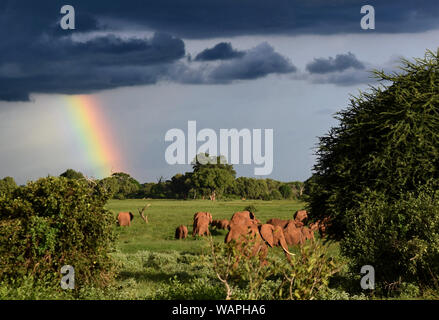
x=290 y=253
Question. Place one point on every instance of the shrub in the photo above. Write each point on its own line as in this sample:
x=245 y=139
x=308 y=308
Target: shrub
x=387 y=140
x=399 y=238
x=251 y=208
x=54 y=222
x=308 y=273
x=7 y=185
x=199 y=288
x=305 y=277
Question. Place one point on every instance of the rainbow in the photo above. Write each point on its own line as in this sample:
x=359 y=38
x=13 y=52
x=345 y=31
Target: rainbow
x=88 y=120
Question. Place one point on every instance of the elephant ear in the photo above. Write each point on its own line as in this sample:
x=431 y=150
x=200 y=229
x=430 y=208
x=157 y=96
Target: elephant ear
x=266 y=231
x=210 y=217
x=131 y=216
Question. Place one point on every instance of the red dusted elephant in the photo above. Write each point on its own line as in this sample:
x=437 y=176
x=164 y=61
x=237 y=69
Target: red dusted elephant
x=124 y=219
x=201 y=223
x=308 y=233
x=293 y=234
x=262 y=235
x=278 y=222
x=301 y=215
x=181 y=232
x=222 y=224
x=244 y=217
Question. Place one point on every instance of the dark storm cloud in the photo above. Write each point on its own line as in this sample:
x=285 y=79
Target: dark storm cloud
x=36 y=56
x=219 y=18
x=340 y=63
x=221 y=51
x=256 y=63
x=61 y=65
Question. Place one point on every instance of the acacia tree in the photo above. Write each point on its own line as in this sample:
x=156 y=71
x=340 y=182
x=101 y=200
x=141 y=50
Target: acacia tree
x=213 y=178
x=387 y=141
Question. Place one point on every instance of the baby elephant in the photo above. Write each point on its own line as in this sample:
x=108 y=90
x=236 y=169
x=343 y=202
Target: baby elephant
x=124 y=219
x=181 y=232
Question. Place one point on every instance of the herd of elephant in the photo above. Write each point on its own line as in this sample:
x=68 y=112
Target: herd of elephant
x=243 y=226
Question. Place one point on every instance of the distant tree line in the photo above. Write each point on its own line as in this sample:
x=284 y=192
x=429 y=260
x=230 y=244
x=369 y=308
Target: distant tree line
x=211 y=180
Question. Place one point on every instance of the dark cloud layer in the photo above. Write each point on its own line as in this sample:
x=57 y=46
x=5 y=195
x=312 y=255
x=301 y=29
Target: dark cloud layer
x=36 y=56
x=340 y=63
x=221 y=51
x=215 y=18
x=61 y=65
x=256 y=63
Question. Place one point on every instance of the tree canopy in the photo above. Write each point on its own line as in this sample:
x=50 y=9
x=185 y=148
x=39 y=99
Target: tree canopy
x=72 y=174
x=387 y=141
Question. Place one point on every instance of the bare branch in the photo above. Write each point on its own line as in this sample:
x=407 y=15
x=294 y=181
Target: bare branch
x=145 y=218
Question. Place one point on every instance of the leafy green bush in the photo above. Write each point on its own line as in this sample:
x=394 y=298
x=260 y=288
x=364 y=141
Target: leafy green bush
x=33 y=288
x=251 y=208
x=199 y=288
x=335 y=294
x=400 y=239
x=308 y=273
x=387 y=140
x=54 y=222
x=247 y=276
x=7 y=185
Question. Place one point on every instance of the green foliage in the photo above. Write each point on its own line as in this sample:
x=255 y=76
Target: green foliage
x=7 y=186
x=251 y=188
x=308 y=273
x=72 y=174
x=251 y=208
x=276 y=195
x=399 y=238
x=198 y=288
x=34 y=288
x=247 y=276
x=54 y=222
x=213 y=177
x=387 y=140
x=286 y=191
x=120 y=185
x=180 y=185
x=241 y=273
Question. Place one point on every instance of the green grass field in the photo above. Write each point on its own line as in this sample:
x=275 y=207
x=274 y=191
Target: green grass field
x=166 y=215
x=151 y=258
